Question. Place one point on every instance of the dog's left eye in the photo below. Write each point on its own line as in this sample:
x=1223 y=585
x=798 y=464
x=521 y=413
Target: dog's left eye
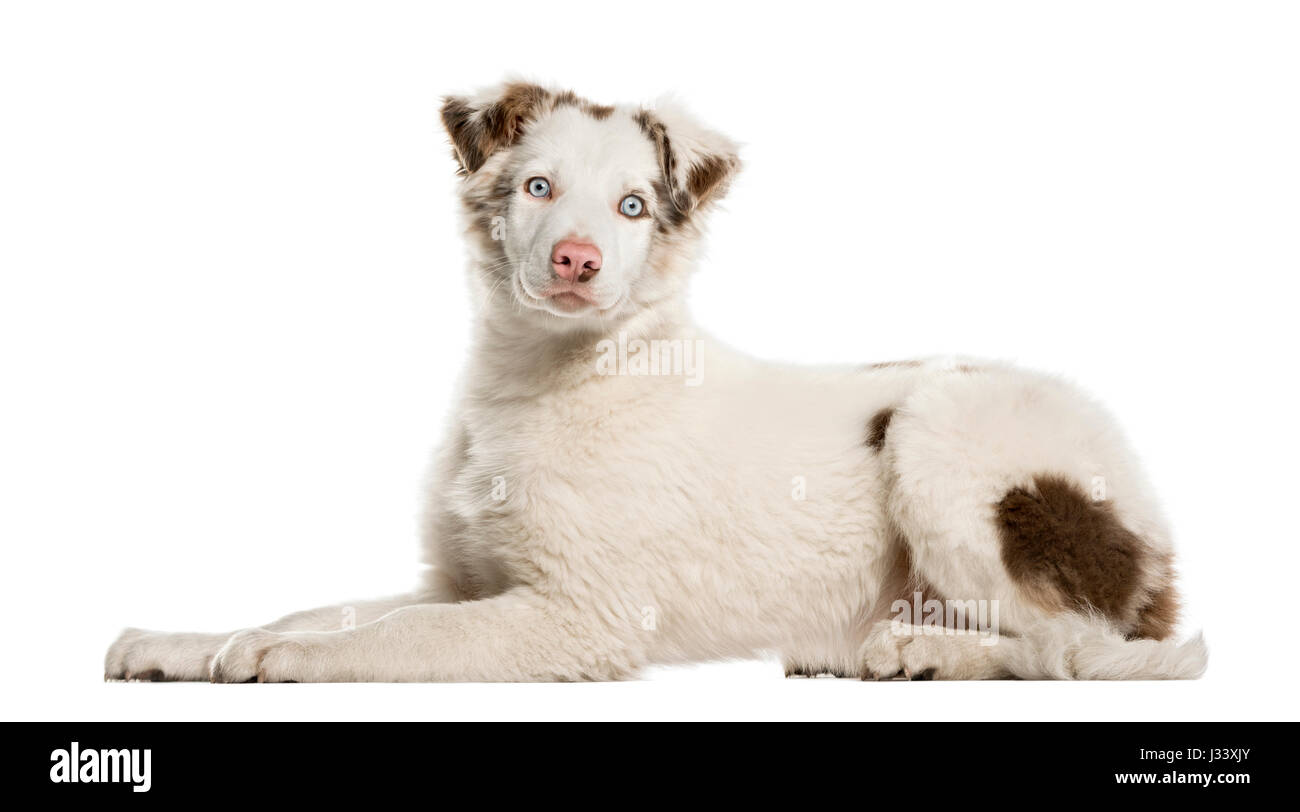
x=539 y=187
x=632 y=206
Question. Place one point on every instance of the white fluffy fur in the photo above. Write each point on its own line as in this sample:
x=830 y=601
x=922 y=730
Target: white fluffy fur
x=583 y=526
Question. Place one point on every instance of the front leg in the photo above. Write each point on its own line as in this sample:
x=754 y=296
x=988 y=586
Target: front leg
x=149 y=656
x=514 y=637
x=146 y=656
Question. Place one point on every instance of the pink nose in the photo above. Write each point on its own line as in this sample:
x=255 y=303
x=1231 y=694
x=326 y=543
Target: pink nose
x=575 y=261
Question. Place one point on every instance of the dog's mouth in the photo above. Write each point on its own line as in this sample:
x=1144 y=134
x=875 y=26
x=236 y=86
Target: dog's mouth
x=570 y=301
x=563 y=299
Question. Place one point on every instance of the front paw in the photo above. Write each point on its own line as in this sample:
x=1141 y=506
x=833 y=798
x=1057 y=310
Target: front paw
x=258 y=655
x=147 y=656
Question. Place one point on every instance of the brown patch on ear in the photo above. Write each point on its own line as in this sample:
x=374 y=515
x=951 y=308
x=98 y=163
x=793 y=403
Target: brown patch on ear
x=600 y=112
x=709 y=177
x=674 y=210
x=705 y=179
x=477 y=132
x=1058 y=542
x=877 y=429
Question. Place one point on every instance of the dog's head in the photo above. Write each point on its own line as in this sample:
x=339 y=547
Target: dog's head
x=578 y=211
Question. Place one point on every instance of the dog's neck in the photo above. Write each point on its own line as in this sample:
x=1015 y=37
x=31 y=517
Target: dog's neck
x=514 y=357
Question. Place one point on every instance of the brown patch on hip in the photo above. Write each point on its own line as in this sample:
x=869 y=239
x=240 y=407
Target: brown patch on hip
x=1157 y=619
x=1062 y=546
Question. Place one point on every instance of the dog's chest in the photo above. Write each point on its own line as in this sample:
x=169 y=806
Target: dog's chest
x=553 y=480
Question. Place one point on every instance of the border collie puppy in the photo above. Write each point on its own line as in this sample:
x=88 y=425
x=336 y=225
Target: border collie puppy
x=618 y=490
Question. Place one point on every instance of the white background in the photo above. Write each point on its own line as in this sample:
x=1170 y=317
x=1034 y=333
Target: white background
x=233 y=303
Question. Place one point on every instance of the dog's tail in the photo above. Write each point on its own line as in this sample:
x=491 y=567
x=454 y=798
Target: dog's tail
x=1087 y=648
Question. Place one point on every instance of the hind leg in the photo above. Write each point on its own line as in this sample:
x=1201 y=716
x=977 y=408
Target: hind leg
x=921 y=653
x=1012 y=490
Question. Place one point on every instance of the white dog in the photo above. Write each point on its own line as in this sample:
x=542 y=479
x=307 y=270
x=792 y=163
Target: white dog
x=618 y=490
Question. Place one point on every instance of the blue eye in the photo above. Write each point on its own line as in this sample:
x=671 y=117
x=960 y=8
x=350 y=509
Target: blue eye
x=539 y=187
x=632 y=206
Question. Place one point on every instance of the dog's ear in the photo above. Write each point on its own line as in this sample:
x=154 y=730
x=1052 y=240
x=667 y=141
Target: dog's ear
x=697 y=163
x=479 y=127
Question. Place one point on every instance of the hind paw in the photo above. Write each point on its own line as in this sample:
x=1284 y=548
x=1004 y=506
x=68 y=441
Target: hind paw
x=915 y=653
